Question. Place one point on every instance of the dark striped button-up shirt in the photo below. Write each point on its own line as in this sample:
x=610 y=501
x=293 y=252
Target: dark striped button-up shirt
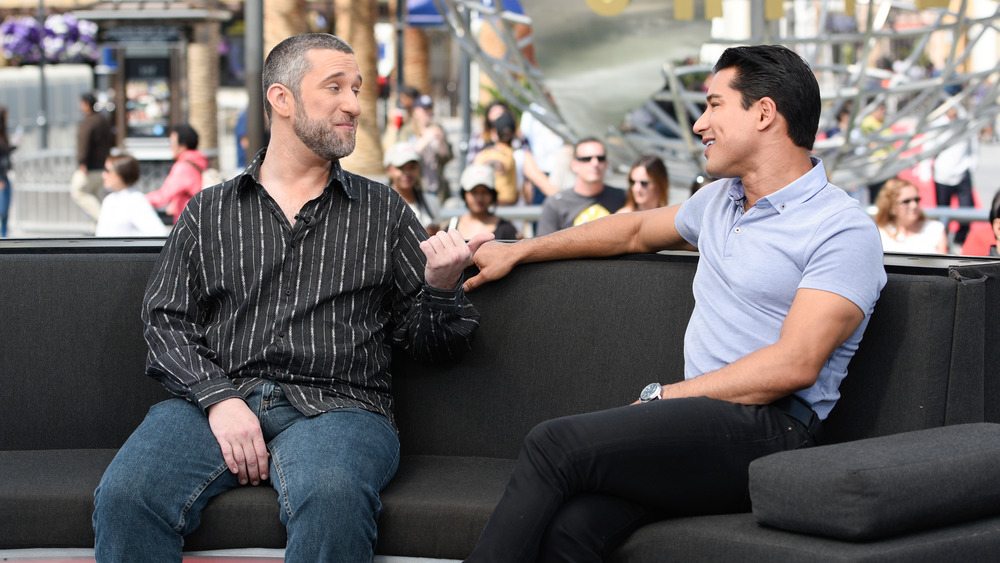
x=240 y=296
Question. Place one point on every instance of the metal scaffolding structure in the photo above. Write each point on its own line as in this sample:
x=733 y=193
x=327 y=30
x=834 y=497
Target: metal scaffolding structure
x=913 y=130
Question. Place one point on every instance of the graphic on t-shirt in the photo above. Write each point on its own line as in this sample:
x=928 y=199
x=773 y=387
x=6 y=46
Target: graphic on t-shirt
x=595 y=211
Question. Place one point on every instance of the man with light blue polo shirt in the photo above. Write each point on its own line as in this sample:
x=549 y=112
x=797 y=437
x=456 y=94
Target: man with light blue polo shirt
x=789 y=272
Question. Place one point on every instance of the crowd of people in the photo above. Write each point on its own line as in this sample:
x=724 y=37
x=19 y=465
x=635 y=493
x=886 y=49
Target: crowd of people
x=528 y=164
x=525 y=172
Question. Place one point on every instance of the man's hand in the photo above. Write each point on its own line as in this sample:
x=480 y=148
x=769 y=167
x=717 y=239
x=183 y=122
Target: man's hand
x=448 y=255
x=495 y=260
x=238 y=432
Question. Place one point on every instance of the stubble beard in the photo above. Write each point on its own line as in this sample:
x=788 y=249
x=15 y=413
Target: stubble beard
x=321 y=137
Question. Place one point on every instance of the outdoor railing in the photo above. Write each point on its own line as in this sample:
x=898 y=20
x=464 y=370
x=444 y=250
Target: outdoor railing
x=41 y=199
x=42 y=202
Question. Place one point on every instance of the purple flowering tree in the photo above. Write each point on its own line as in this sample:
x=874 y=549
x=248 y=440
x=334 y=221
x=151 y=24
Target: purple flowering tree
x=20 y=38
x=63 y=37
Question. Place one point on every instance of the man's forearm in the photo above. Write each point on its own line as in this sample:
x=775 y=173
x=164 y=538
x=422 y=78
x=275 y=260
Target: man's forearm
x=758 y=378
x=627 y=233
x=817 y=323
x=609 y=236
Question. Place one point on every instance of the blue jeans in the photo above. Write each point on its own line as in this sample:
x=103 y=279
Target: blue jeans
x=328 y=471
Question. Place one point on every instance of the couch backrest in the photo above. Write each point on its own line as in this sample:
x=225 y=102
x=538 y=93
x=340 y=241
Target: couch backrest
x=575 y=336
x=72 y=354
x=556 y=338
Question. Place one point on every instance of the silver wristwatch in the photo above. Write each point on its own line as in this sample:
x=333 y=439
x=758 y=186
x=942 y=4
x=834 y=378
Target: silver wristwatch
x=650 y=392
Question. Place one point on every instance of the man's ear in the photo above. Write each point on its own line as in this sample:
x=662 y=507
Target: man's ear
x=768 y=113
x=281 y=100
x=996 y=229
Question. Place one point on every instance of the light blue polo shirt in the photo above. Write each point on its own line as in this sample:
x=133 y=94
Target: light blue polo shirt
x=809 y=234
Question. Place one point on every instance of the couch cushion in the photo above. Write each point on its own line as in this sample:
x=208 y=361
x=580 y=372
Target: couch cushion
x=879 y=487
x=738 y=537
x=437 y=506
x=48 y=497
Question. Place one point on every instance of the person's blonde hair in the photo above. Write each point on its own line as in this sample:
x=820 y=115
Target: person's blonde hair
x=887 y=198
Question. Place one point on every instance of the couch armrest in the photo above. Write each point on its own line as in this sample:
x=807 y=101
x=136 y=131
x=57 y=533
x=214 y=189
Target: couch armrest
x=874 y=488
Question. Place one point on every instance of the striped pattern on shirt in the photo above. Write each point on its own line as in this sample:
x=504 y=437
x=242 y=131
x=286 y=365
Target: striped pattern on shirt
x=240 y=296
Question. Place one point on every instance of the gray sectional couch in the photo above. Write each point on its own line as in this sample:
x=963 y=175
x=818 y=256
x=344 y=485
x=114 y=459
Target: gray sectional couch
x=909 y=473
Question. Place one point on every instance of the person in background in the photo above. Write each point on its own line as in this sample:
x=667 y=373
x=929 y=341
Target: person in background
x=242 y=142
x=402 y=166
x=184 y=179
x=94 y=140
x=953 y=168
x=648 y=185
x=487 y=135
x=995 y=223
x=903 y=225
x=500 y=128
x=5 y=189
x=589 y=198
x=549 y=152
x=481 y=197
x=872 y=123
x=499 y=154
x=401 y=114
x=843 y=117
x=125 y=211
x=428 y=139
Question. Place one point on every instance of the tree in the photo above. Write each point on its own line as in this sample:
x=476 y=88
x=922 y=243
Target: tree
x=283 y=19
x=355 y=23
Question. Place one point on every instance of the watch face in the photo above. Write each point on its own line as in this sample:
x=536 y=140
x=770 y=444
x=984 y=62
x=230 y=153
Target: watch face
x=650 y=392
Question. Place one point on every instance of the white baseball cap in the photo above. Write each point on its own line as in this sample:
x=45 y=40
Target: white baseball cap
x=399 y=154
x=477 y=175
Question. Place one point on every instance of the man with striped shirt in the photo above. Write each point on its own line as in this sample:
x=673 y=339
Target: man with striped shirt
x=271 y=316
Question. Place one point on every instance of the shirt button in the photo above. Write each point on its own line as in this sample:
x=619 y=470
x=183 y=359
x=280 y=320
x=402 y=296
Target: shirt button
x=738 y=230
x=281 y=334
x=288 y=292
x=782 y=205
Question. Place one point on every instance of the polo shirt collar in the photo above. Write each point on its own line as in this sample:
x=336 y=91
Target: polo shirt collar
x=799 y=191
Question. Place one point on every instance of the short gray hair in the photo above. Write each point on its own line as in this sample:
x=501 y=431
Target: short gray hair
x=287 y=63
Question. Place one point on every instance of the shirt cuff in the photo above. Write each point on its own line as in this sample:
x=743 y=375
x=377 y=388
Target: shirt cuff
x=213 y=391
x=444 y=298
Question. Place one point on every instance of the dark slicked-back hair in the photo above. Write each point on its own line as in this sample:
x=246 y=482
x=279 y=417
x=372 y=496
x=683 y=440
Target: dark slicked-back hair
x=777 y=72
x=186 y=135
x=287 y=63
x=88 y=99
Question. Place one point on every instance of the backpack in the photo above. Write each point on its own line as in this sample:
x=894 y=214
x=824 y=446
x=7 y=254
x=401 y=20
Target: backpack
x=500 y=157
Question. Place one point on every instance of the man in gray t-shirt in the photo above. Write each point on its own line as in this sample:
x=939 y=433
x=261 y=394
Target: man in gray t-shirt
x=589 y=198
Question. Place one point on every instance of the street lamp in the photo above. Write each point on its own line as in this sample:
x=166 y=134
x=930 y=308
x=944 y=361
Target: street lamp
x=43 y=97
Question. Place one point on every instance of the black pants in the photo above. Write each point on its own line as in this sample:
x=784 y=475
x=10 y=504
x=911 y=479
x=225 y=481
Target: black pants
x=963 y=189
x=583 y=483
